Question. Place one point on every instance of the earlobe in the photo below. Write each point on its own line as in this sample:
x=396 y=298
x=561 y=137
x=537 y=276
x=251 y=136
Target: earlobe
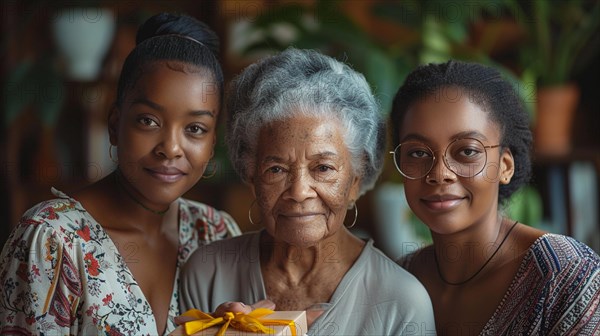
x=507 y=167
x=250 y=183
x=113 y=122
x=212 y=151
x=355 y=189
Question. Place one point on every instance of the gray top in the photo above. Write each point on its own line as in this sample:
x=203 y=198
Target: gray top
x=375 y=297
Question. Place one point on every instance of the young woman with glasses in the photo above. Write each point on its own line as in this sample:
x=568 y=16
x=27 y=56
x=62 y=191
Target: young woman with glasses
x=463 y=147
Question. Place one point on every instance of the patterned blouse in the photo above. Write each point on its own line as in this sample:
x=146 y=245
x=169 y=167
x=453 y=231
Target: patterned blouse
x=556 y=291
x=61 y=274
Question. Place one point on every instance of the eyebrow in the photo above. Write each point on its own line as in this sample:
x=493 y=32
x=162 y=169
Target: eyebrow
x=147 y=102
x=412 y=136
x=465 y=134
x=277 y=159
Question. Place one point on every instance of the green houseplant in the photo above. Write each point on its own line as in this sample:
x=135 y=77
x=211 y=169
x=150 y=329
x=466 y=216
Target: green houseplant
x=559 y=44
x=428 y=34
x=325 y=27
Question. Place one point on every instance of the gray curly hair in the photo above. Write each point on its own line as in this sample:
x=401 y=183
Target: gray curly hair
x=305 y=82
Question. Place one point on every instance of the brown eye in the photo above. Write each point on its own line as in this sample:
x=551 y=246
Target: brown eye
x=196 y=129
x=419 y=154
x=275 y=170
x=273 y=174
x=324 y=168
x=147 y=121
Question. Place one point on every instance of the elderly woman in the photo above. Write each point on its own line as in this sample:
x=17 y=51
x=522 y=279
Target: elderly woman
x=305 y=134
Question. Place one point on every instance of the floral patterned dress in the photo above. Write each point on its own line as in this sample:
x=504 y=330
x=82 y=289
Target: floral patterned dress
x=61 y=274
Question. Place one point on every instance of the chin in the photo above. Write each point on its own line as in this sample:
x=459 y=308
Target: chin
x=302 y=237
x=444 y=225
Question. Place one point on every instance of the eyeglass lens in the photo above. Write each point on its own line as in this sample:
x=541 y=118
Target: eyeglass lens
x=465 y=157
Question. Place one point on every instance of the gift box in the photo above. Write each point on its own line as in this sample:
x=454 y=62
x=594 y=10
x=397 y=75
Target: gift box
x=236 y=324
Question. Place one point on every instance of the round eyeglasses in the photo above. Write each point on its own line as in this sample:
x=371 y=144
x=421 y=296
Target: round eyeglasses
x=465 y=157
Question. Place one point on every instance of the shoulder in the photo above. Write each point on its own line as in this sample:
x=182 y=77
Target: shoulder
x=52 y=210
x=217 y=265
x=556 y=254
x=210 y=224
x=399 y=299
x=393 y=276
x=225 y=254
x=200 y=211
x=406 y=260
x=59 y=216
x=570 y=273
x=411 y=260
x=49 y=233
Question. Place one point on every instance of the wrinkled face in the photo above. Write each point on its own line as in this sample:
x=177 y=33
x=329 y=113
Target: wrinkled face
x=165 y=132
x=443 y=200
x=303 y=181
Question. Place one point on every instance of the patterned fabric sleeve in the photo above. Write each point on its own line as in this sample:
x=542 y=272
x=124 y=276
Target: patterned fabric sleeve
x=205 y=224
x=233 y=230
x=40 y=284
x=574 y=292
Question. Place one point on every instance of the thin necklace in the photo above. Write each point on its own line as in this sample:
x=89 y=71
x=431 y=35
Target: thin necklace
x=118 y=180
x=437 y=264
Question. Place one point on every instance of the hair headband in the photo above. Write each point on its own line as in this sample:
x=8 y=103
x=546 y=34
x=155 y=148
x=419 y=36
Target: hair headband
x=175 y=35
x=185 y=37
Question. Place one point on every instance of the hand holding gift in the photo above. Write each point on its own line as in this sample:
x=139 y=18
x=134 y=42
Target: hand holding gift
x=312 y=313
x=240 y=319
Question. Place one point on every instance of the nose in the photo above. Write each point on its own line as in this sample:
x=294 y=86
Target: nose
x=440 y=172
x=169 y=146
x=300 y=186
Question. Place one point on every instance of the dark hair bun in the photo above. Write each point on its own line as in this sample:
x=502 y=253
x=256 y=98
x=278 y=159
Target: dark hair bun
x=168 y=23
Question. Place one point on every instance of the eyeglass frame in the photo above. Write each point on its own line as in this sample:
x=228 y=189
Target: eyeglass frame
x=443 y=157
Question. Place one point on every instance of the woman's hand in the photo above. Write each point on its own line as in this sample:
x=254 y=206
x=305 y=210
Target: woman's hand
x=312 y=313
x=240 y=307
x=235 y=307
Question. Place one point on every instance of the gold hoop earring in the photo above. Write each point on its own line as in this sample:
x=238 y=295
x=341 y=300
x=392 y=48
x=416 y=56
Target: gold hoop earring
x=110 y=155
x=250 y=213
x=214 y=171
x=355 y=217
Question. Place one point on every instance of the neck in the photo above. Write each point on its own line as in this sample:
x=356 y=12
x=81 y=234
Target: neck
x=128 y=190
x=300 y=263
x=133 y=213
x=461 y=257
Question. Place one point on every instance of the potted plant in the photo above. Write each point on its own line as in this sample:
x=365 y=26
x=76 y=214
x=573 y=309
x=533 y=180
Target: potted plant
x=558 y=46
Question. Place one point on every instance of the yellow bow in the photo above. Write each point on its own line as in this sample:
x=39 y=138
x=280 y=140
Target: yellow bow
x=251 y=322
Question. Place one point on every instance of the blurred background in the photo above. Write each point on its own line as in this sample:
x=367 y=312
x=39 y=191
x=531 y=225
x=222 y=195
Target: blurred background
x=61 y=61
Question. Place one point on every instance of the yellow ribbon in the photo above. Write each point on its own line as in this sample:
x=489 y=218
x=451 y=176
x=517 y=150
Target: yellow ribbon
x=251 y=322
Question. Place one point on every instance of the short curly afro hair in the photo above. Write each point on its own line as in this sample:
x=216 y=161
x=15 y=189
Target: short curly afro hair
x=491 y=92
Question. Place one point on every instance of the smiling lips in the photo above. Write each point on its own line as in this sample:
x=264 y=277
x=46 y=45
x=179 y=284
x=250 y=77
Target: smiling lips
x=166 y=174
x=442 y=202
x=301 y=217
